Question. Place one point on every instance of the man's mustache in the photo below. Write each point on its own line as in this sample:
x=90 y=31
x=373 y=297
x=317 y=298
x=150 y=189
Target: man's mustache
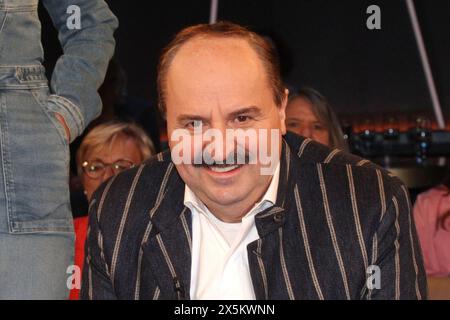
x=238 y=156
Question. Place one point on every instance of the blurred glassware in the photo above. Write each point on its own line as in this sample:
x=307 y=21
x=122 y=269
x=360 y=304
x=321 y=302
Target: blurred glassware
x=391 y=134
x=367 y=136
x=421 y=135
x=347 y=129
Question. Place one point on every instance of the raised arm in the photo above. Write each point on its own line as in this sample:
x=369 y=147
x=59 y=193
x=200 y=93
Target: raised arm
x=81 y=69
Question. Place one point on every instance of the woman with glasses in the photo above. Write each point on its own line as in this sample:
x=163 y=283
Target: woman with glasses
x=107 y=150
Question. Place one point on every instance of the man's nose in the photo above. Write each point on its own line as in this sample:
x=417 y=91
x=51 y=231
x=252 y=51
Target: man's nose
x=219 y=150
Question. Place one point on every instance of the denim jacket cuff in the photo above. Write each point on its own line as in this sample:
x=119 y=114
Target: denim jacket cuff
x=70 y=112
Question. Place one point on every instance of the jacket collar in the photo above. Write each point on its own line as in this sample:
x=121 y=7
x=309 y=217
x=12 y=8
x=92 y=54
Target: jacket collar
x=273 y=218
x=267 y=221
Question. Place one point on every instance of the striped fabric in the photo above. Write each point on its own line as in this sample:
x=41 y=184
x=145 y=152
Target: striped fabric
x=338 y=218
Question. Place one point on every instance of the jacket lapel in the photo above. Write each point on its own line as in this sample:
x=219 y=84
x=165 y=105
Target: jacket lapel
x=167 y=252
x=269 y=223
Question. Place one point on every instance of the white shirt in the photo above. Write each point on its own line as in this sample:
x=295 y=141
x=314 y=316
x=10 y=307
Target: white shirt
x=220 y=268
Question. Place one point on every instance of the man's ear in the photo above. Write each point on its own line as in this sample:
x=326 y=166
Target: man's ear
x=282 y=111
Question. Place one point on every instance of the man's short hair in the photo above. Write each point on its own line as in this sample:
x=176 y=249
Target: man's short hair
x=264 y=49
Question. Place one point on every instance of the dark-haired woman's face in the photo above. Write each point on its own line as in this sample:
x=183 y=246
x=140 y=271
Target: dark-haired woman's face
x=301 y=120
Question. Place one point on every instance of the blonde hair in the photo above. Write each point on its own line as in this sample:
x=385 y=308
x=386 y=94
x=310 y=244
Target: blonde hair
x=104 y=135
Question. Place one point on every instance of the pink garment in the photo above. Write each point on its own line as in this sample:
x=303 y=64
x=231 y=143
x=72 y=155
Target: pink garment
x=429 y=209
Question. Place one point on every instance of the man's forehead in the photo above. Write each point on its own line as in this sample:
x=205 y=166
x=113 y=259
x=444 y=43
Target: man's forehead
x=216 y=72
x=207 y=51
x=215 y=44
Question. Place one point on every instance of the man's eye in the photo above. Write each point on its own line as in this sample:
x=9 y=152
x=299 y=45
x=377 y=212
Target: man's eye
x=242 y=119
x=194 y=124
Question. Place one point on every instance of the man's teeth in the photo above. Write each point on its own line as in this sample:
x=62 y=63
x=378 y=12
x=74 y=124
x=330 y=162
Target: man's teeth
x=222 y=169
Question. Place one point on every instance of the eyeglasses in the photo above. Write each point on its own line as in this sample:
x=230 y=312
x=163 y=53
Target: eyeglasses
x=96 y=169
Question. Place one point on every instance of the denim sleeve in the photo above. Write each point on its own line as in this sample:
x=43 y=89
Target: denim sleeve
x=81 y=69
x=96 y=283
x=398 y=252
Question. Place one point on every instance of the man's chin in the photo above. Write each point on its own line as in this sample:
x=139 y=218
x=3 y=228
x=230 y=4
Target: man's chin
x=225 y=196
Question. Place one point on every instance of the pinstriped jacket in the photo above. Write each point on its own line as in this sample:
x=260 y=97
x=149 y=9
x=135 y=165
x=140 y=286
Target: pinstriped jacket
x=336 y=215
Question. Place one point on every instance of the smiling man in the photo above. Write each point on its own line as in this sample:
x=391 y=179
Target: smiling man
x=230 y=90
x=206 y=221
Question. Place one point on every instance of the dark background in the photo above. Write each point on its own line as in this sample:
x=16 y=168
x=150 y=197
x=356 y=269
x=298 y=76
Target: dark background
x=322 y=43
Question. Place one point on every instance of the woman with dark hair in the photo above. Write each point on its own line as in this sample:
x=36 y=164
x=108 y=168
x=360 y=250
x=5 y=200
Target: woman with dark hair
x=309 y=114
x=432 y=218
